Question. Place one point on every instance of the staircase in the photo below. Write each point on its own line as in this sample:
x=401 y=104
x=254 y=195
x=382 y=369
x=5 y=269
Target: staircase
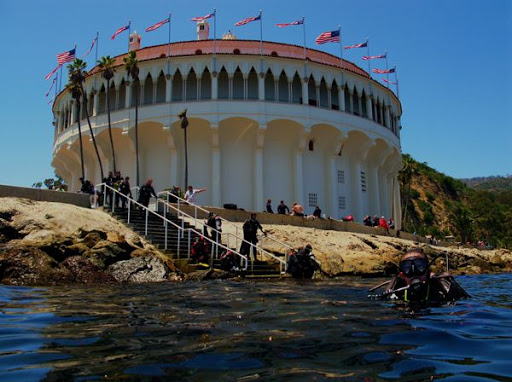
x=178 y=248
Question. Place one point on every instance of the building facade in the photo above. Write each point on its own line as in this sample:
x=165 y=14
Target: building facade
x=264 y=123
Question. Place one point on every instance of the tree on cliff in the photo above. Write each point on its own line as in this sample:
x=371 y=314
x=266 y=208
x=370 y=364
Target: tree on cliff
x=130 y=63
x=76 y=76
x=106 y=64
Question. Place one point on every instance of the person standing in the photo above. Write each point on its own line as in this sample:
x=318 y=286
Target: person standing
x=145 y=193
x=124 y=188
x=190 y=195
x=250 y=229
x=269 y=206
x=282 y=209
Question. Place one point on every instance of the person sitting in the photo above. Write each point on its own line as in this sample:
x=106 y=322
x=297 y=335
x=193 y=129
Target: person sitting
x=228 y=262
x=348 y=218
x=367 y=221
x=391 y=223
x=375 y=221
x=383 y=224
x=317 y=213
x=145 y=193
x=200 y=251
x=297 y=210
x=415 y=282
x=282 y=209
x=302 y=263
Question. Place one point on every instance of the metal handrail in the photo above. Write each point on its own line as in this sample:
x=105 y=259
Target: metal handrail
x=282 y=263
x=166 y=221
x=287 y=247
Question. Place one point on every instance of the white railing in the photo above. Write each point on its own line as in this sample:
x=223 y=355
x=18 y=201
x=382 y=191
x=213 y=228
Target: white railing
x=181 y=201
x=184 y=234
x=229 y=236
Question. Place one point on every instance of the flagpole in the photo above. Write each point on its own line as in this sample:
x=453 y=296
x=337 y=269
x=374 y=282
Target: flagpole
x=396 y=80
x=169 y=48
x=56 y=81
x=369 y=60
x=341 y=47
x=304 y=29
x=96 y=54
x=387 y=74
x=129 y=32
x=261 y=33
x=214 y=39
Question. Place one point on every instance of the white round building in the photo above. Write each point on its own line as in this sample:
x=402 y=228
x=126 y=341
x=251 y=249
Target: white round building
x=261 y=126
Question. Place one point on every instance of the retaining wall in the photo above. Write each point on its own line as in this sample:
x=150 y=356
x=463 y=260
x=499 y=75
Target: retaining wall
x=80 y=200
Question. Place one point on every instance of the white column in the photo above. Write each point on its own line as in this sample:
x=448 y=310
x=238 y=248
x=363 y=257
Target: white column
x=373 y=189
x=305 y=92
x=258 y=163
x=128 y=99
x=317 y=90
x=216 y=183
x=276 y=89
x=73 y=112
x=215 y=85
x=184 y=91
x=168 y=88
x=290 y=89
x=333 y=187
x=386 y=117
x=329 y=98
x=230 y=87
x=351 y=102
x=198 y=92
x=341 y=96
x=141 y=94
x=359 y=106
x=154 y=91
x=246 y=87
x=299 y=187
x=95 y=103
x=261 y=87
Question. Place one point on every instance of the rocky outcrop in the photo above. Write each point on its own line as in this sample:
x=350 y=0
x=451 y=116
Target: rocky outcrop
x=52 y=244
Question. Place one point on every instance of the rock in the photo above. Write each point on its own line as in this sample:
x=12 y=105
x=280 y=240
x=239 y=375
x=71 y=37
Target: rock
x=55 y=247
x=140 y=270
x=498 y=261
x=84 y=271
x=92 y=238
x=222 y=275
x=105 y=253
x=200 y=275
x=7 y=232
x=77 y=249
x=30 y=266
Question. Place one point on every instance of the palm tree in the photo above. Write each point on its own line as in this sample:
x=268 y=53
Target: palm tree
x=106 y=64
x=76 y=94
x=405 y=177
x=130 y=63
x=77 y=75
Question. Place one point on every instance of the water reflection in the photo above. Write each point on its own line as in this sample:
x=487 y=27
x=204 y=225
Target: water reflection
x=247 y=331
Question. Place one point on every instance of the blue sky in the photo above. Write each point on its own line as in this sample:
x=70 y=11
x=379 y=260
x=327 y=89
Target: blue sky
x=453 y=60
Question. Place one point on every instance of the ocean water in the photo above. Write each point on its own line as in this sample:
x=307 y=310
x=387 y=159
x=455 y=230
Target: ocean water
x=247 y=331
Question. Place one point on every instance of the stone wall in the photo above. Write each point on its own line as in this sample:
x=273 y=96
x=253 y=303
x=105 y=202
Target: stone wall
x=80 y=200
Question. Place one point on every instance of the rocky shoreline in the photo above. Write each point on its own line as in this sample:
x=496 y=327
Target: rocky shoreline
x=45 y=243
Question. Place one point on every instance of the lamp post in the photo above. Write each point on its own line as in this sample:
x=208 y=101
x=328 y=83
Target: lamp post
x=184 y=123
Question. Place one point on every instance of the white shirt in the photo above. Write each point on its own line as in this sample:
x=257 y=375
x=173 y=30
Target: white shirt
x=190 y=196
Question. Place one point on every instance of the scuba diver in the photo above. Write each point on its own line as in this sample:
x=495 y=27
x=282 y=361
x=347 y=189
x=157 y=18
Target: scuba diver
x=416 y=284
x=302 y=263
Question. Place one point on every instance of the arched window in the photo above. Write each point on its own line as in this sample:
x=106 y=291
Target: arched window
x=199 y=51
x=270 y=94
x=148 y=90
x=379 y=116
x=311 y=145
x=102 y=101
x=274 y=54
x=90 y=104
x=296 y=89
x=160 y=88
x=177 y=86
x=283 y=88
x=348 y=109
x=238 y=84
x=121 y=100
x=206 y=85
x=324 y=101
x=312 y=91
x=374 y=110
x=364 y=111
x=252 y=85
x=112 y=96
x=191 y=92
x=223 y=86
x=355 y=102
x=236 y=51
x=335 y=99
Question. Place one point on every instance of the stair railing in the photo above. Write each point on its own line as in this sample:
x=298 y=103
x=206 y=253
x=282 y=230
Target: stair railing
x=244 y=261
x=181 y=201
x=215 y=248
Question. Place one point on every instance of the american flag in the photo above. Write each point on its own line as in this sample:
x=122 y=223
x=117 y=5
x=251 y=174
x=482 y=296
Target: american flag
x=332 y=36
x=383 y=71
x=51 y=73
x=300 y=22
x=50 y=101
x=122 y=29
x=202 y=18
x=362 y=45
x=51 y=87
x=248 y=20
x=389 y=82
x=68 y=56
x=372 y=57
x=158 y=25
x=92 y=46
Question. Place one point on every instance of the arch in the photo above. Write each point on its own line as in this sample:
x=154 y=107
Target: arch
x=364 y=110
x=102 y=100
x=191 y=91
x=121 y=98
x=312 y=91
x=296 y=89
x=252 y=85
x=348 y=109
x=236 y=51
x=355 y=103
x=206 y=84
x=148 y=90
x=270 y=89
x=274 y=54
x=238 y=84
x=335 y=99
x=161 y=85
x=199 y=52
x=112 y=96
x=223 y=84
x=177 y=86
x=324 y=99
x=284 y=90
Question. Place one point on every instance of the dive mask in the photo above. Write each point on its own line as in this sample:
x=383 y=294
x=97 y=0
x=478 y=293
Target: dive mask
x=414 y=267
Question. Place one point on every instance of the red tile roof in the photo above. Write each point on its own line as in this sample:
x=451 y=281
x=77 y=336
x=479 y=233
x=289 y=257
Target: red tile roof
x=249 y=47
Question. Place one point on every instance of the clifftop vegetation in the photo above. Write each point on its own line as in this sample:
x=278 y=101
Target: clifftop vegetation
x=439 y=205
